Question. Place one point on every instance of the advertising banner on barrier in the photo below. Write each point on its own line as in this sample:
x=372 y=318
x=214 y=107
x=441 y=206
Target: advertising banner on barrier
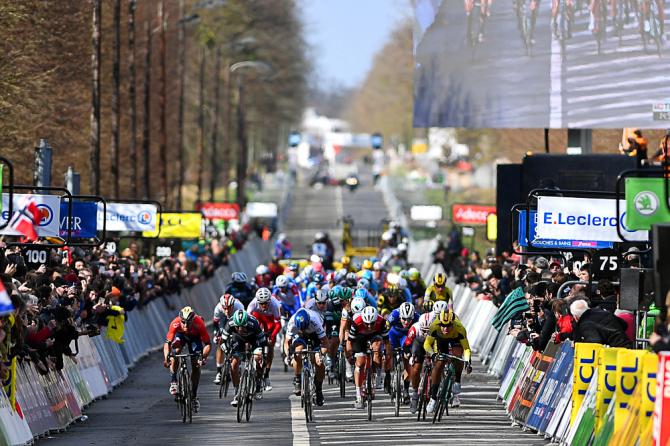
x=552 y=243
x=186 y=225
x=586 y=364
x=49 y=206
x=534 y=380
x=607 y=360
x=649 y=370
x=558 y=379
x=471 y=214
x=628 y=377
x=662 y=404
x=84 y=219
x=644 y=203
x=583 y=218
x=220 y=211
x=257 y=209
x=123 y=217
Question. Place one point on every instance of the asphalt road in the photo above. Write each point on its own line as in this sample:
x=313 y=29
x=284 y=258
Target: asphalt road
x=141 y=411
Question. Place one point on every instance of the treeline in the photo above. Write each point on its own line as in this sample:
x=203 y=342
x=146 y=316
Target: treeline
x=46 y=87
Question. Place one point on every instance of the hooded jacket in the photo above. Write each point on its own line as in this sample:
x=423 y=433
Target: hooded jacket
x=601 y=327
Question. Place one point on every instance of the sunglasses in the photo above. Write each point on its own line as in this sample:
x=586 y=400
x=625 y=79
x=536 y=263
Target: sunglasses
x=321 y=303
x=446 y=325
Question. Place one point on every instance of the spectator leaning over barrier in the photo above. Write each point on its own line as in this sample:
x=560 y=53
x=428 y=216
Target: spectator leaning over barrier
x=598 y=326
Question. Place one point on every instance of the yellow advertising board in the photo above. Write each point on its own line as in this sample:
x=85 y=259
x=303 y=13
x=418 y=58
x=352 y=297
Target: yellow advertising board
x=186 y=225
x=585 y=369
x=606 y=382
x=628 y=377
x=649 y=370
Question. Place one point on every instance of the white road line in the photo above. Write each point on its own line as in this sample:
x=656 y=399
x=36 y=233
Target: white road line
x=298 y=423
x=338 y=202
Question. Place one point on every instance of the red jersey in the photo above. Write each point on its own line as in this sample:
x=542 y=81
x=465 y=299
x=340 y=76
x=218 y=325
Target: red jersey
x=196 y=330
x=359 y=328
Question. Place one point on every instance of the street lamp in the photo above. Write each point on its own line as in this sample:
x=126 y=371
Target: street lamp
x=264 y=70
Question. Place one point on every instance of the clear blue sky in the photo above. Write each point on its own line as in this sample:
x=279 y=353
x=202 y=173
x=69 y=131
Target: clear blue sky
x=345 y=35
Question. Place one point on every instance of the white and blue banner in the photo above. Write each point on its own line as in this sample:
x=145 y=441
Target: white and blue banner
x=127 y=217
x=83 y=221
x=49 y=206
x=583 y=219
x=552 y=243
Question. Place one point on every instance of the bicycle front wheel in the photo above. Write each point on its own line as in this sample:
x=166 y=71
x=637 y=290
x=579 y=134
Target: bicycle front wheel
x=368 y=389
x=397 y=391
x=189 y=398
x=306 y=394
x=242 y=396
x=342 y=372
x=181 y=396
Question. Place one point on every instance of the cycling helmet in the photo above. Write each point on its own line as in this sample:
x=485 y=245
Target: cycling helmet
x=281 y=237
x=378 y=266
x=367 y=275
x=427 y=306
x=239 y=277
x=308 y=271
x=262 y=269
x=321 y=296
x=335 y=296
x=362 y=293
x=440 y=279
x=263 y=295
x=357 y=305
x=240 y=318
x=387 y=236
x=351 y=277
x=293 y=266
x=301 y=319
x=406 y=311
x=345 y=260
x=404 y=274
x=439 y=306
x=282 y=281
x=356 y=266
x=402 y=247
x=346 y=293
x=363 y=283
x=319 y=236
x=317 y=278
x=414 y=274
x=340 y=274
x=402 y=284
x=445 y=317
x=367 y=264
x=369 y=315
x=227 y=300
x=187 y=315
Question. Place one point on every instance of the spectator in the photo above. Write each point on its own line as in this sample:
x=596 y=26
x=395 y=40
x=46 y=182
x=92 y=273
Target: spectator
x=598 y=326
x=606 y=296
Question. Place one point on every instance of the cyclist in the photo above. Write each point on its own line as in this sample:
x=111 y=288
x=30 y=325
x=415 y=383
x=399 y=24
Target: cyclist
x=187 y=329
x=282 y=247
x=350 y=310
x=263 y=277
x=368 y=326
x=446 y=333
x=378 y=274
x=314 y=285
x=287 y=294
x=400 y=321
x=241 y=288
x=438 y=290
x=239 y=331
x=414 y=341
x=365 y=295
x=416 y=286
x=389 y=299
x=265 y=309
x=305 y=332
x=222 y=312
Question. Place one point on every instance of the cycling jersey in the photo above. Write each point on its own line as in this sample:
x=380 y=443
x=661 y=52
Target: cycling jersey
x=438 y=341
x=251 y=333
x=417 y=288
x=419 y=329
x=359 y=329
x=268 y=318
x=386 y=307
x=315 y=326
x=243 y=292
x=197 y=330
x=288 y=298
x=435 y=294
x=220 y=318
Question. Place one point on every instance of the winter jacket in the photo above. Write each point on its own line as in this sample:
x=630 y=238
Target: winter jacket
x=601 y=327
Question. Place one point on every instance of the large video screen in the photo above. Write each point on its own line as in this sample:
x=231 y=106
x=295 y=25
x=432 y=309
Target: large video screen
x=541 y=63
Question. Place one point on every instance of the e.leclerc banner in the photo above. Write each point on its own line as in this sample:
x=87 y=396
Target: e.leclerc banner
x=553 y=243
x=123 y=217
x=471 y=214
x=83 y=222
x=583 y=219
x=49 y=206
x=644 y=203
x=187 y=225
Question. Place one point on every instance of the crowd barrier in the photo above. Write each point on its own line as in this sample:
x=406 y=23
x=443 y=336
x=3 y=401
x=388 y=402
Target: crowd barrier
x=572 y=394
x=48 y=403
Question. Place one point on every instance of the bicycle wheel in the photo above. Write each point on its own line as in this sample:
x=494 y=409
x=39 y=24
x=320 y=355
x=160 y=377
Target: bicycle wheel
x=189 y=398
x=342 y=373
x=242 y=396
x=397 y=383
x=368 y=389
x=421 y=405
x=181 y=396
x=226 y=378
x=306 y=394
x=251 y=388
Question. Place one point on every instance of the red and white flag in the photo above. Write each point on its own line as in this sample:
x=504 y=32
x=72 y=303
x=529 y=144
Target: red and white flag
x=6 y=306
x=26 y=218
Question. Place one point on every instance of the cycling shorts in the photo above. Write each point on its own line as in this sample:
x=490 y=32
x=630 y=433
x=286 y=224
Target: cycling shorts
x=194 y=343
x=445 y=345
x=397 y=337
x=360 y=343
x=310 y=341
x=417 y=350
x=238 y=346
x=288 y=310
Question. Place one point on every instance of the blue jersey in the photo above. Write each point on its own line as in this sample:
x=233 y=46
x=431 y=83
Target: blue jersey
x=395 y=322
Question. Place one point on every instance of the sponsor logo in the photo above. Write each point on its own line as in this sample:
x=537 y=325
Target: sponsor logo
x=559 y=218
x=646 y=202
x=144 y=217
x=47 y=214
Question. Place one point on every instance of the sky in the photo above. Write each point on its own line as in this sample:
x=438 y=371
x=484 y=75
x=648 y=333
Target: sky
x=345 y=35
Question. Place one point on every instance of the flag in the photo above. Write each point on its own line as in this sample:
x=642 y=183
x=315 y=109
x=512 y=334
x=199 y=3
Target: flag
x=6 y=306
x=27 y=218
x=115 y=325
x=514 y=303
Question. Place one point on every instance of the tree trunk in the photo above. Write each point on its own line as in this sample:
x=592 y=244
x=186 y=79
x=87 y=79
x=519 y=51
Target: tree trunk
x=162 y=139
x=242 y=149
x=215 y=125
x=201 y=126
x=95 y=99
x=180 y=124
x=132 y=93
x=146 y=131
x=228 y=140
x=116 y=86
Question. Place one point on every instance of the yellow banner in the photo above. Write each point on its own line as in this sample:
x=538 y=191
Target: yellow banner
x=628 y=377
x=586 y=364
x=606 y=382
x=649 y=369
x=178 y=225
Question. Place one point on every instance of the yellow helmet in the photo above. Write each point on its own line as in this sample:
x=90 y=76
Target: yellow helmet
x=446 y=317
x=187 y=315
x=367 y=264
x=345 y=260
x=440 y=279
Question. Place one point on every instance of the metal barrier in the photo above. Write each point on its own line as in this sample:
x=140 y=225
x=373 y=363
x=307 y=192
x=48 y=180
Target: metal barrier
x=51 y=402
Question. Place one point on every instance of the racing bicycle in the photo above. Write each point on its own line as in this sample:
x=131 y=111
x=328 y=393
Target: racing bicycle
x=184 y=395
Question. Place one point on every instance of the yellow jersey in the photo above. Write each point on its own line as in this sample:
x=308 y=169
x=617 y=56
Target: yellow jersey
x=456 y=334
x=434 y=294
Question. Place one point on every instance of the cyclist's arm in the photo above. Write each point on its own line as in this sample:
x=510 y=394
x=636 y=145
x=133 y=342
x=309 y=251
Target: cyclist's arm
x=467 y=354
x=428 y=294
x=428 y=344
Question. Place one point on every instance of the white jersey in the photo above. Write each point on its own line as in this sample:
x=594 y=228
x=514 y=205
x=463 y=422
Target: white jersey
x=220 y=318
x=271 y=310
x=315 y=325
x=422 y=326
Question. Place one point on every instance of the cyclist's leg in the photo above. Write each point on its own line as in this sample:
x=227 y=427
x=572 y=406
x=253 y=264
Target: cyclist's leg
x=219 y=356
x=457 y=350
x=358 y=348
x=415 y=371
x=237 y=349
x=436 y=377
x=195 y=346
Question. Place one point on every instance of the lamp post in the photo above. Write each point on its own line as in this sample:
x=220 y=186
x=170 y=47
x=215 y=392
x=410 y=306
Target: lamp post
x=263 y=69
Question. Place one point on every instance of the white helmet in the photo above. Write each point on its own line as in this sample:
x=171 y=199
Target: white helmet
x=406 y=311
x=424 y=322
x=386 y=236
x=263 y=295
x=439 y=306
x=402 y=283
x=369 y=315
x=262 y=269
x=321 y=296
x=281 y=237
x=402 y=247
x=227 y=300
x=357 y=304
x=281 y=281
x=377 y=266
